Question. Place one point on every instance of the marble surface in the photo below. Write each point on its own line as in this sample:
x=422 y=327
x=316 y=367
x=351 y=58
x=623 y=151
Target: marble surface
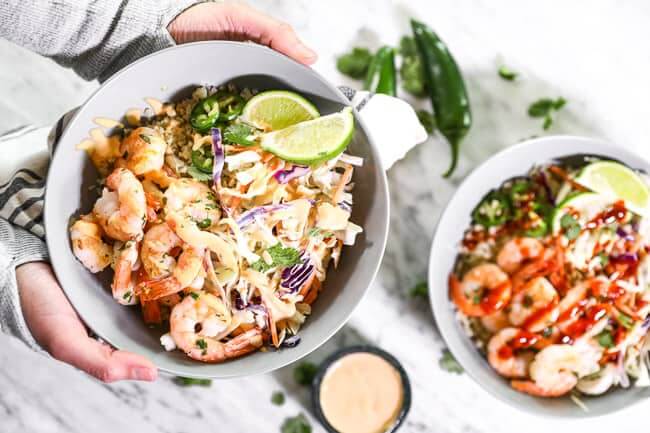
x=592 y=52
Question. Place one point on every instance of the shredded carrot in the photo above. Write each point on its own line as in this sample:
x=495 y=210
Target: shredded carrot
x=557 y=171
x=313 y=292
x=151 y=313
x=345 y=179
x=274 y=329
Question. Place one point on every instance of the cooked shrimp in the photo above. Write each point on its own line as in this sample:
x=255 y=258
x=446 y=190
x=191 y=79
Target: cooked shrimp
x=122 y=208
x=88 y=246
x=518 y=250
x=125 y=264
x=200 y=322
x=496 y=321
x=508 y=356
x=193 y=200
x=187 y=272
x=144 y=150
x=484 y=290
x=534 y=307
x=556 y=369
x=543 y=266
x=156 y=253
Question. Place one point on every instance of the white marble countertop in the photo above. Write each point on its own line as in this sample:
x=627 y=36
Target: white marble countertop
x=591 y=52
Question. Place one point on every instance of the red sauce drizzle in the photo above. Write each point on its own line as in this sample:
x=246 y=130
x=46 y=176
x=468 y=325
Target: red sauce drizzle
x=540 y=313
x=616 y=213
x=523 y=340
x=589 y=318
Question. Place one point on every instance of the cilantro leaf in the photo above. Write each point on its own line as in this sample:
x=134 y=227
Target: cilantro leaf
x=277 y=398
x=420 y=290
x=411 y=71
x=305 y=372
x=507 y=73
x=427 y=120
x=281 y=256
x=545 y=108
x=315 y=231
x=188 y=381
x=570 y=226
x=296 y=424
x=198 y=174
x=261 y=266
x=605 y=339
x=239 y=134
x=448 y=363
x=355 y=63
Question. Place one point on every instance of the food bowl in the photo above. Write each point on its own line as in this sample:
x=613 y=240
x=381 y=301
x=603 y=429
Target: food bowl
x=456 y=218
x=171 y=75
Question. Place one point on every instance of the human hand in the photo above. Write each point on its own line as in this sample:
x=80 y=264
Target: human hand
x=238 y=22
x=57 y=328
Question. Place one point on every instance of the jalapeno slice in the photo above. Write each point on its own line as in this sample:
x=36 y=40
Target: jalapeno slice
x=202 y=160
x=493 y=210
x=205 y=114
x=538 y=229
x=231 y=105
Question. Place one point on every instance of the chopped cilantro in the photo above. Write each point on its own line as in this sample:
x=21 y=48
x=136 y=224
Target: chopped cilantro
x=355 y=63
x=570 y=226
x=296 y=424
x=127 y=296
x=605 y=339
x=205 y=223
x=201 y=344
x=527 y=301
x=198 y=174
x=277 y=398
x=420 y=290
x=195 y=296
x=546 y=107
x=448 y=363
x=305 y=372
x=239 y=134
x=507 y=73
x=281 y=256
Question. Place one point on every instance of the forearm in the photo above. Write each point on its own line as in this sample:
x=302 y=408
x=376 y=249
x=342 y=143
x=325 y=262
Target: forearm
x=17 y=247
x=95 y=38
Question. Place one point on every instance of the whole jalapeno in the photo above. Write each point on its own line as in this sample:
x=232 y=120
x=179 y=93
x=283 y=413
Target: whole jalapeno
x=381 y=75
x=205 y=114
x=446 y=87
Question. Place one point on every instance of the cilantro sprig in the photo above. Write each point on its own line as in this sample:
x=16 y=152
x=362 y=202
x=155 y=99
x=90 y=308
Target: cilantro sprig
x=281 y=256
x=546 y=108
x=239 y=134
x=355 y=63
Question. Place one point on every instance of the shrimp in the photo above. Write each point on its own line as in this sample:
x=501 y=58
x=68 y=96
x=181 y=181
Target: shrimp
x=496 y=321
x=125 y=264
x=122 y=208
x=518 y=250
x=556 y=369
x=187 y=272
x=200 y=322
x=194 y=201
x=485 y=289
x=144 y=150
x=545 y=265
x=506 y=352
x=87 y=244
x=534 y=307
x=156 y=253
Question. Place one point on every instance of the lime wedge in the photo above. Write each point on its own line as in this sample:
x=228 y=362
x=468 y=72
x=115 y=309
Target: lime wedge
x=617 y=182
x=312 y=141
x=278 y=109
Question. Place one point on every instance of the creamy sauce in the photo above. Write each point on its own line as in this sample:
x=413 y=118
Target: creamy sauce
x=361 y=393
x=107 y=123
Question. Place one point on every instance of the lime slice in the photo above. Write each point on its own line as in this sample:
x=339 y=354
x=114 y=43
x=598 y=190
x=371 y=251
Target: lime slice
x=617 y=182
x=278 y=109
x=312 y=141
x=586 y=204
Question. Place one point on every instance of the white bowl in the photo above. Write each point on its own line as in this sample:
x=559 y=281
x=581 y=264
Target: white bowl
x=456 y=218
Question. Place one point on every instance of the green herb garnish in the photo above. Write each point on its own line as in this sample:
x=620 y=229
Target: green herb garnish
x=626 y=321
x=420 y=290
x=239 y=134
x=277 y=398
x=195 y=296
x=507 y=73
x=201 y=343
x=296 y=424
x=604 y=258
x=570 y=226
x=281 y=256
x=545 y=108
x=315 y=231
x=305 y=372
x=448 y=363
x=145 y=138
x=527 y=301
x=188 y=381
x=411 y=72
x=605 y=339
x=205 y=223
x=355 y=63
x=198 y=174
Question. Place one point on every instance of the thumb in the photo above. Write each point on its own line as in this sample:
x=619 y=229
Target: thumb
x=102 y=361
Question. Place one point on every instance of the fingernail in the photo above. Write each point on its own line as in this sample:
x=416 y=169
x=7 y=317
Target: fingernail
x=143 y=373
x=308 y=54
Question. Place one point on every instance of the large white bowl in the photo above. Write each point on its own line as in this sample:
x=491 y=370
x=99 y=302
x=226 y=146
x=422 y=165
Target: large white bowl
x=511 y=162
x=170 y=75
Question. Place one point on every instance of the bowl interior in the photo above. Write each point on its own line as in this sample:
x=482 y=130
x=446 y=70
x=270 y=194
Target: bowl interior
x=514 y=161
x=170 y=75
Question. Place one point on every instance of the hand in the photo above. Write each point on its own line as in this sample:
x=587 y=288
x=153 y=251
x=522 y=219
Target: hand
x=57 y=328
x=238 y=22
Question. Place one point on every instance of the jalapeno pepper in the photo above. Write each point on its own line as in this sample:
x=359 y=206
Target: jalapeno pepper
x=493 y=210
x=381 y=76
x=538 y=229
x=231 y=105
x=446 y=87
x=205 y=114
x=202 y=161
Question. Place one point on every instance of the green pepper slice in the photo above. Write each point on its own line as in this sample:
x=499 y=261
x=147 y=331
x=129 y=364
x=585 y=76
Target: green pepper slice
x=493 y=210
x=231 y=105
x=538 y=230
x=381 y=75
x=202 y=161
x=205 y=114
x=446 y=87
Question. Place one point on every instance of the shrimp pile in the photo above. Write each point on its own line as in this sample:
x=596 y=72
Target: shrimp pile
x=223 y=246
x=552 y=283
